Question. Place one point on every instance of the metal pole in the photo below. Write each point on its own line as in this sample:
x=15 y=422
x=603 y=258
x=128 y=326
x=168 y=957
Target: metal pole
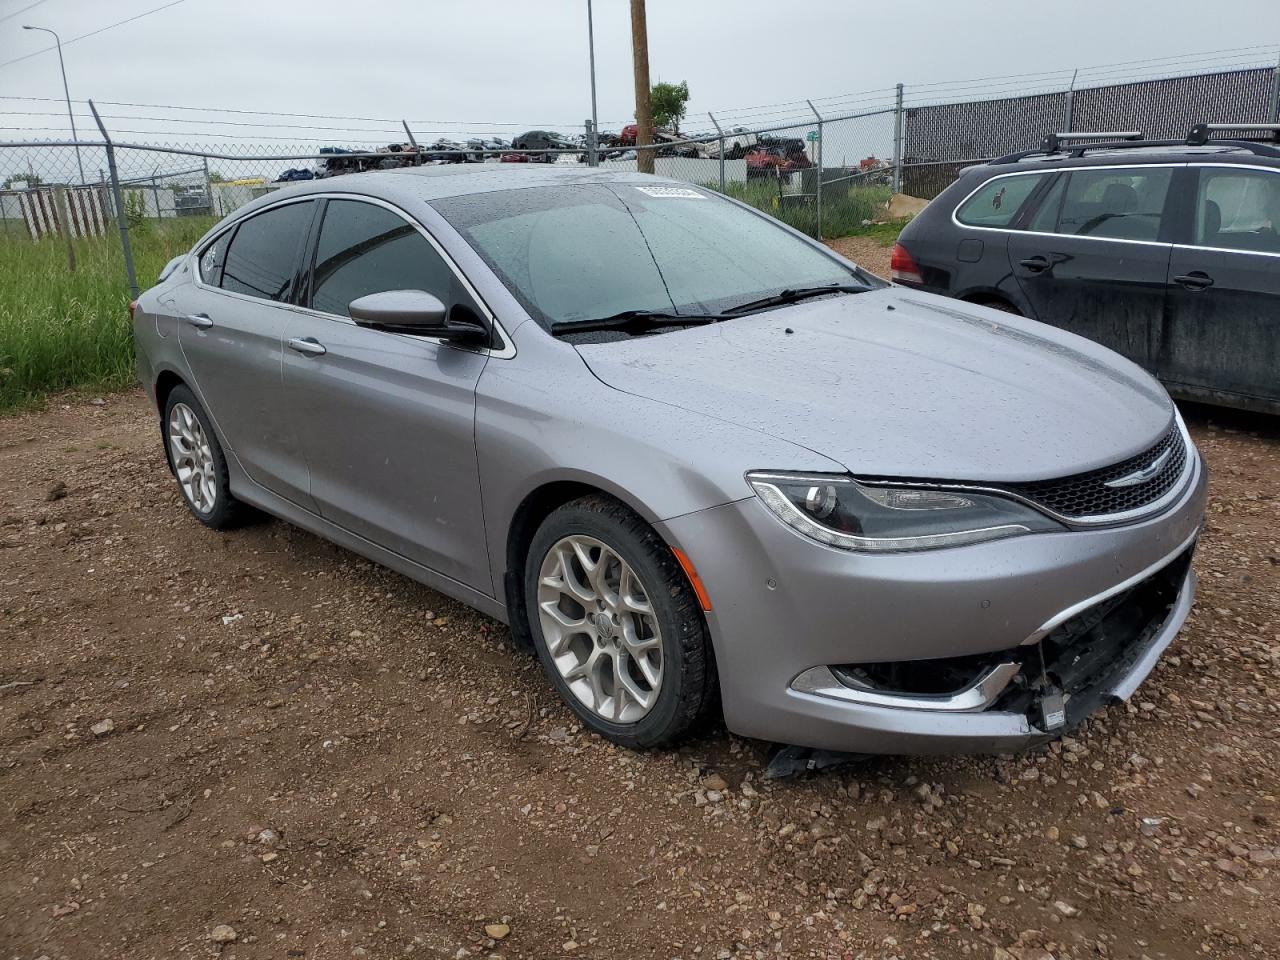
x=720 y=134
x=1275 y=95
x=121 y=218
x=594 y=130
x=818 y=187
x=1069 y=119
x=155 y=189
x=407 y=132
x=593 y=160
x=208 y=186
x=897 y=141
x=66 y=91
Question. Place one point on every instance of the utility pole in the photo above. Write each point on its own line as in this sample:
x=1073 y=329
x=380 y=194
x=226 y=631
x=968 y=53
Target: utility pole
x=593 y=133
x=644 y=112
x=67 y=91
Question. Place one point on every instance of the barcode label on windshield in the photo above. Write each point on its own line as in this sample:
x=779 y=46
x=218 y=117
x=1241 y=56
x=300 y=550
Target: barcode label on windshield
x=674 y=193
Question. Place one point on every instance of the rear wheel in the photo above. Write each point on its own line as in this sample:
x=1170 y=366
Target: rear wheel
x=196 y=459
x=616 y=624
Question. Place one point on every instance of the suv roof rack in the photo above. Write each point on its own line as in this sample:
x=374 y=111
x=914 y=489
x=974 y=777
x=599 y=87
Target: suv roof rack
x=1200 y=135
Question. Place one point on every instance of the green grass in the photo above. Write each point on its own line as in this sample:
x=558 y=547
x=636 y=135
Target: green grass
x=886 y=234
x=844 y=207
x=60 y=330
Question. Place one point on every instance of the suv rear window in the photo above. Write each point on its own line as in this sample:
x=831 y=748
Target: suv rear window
x=1115 y=204
x=998 y=201
x=1239 y=210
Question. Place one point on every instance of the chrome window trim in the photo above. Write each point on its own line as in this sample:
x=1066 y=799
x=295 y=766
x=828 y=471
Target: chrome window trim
x=1190 y=470
x=506 y=353
x=1070 y=236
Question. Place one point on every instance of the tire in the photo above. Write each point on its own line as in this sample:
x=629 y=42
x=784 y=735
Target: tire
x=201 y=471
x=599 y=663
x=1004 y=306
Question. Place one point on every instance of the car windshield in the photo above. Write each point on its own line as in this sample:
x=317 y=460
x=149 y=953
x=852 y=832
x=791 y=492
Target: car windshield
x=589 y=251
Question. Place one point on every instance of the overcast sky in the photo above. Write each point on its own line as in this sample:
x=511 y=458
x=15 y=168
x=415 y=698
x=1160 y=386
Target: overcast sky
x=472 y=65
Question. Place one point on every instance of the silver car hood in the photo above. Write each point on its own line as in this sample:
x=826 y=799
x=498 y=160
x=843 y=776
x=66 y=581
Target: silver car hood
x=903 y=384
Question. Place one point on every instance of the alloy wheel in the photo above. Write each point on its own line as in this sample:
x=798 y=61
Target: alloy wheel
x=192 y=458
x=600 y=629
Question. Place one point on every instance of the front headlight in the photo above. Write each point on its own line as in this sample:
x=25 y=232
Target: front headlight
x=840 y=512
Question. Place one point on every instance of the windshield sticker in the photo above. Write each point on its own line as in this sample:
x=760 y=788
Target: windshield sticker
x=674 y=193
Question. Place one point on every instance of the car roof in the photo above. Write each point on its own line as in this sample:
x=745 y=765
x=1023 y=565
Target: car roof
x=428 y=183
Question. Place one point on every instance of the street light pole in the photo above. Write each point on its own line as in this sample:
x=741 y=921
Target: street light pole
x=67 y=91
x=595 y=121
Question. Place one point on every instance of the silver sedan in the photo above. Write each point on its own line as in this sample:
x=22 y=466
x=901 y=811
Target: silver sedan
x=693 y=459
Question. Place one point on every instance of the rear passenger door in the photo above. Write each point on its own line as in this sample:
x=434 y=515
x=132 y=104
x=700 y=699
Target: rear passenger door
x=231 y=323
x=1223 y=335
x=1094 y=258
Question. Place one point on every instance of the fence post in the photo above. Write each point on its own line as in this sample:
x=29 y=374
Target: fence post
x=1069 y=119
x=818 y=187
x=407 y=132
x=593 y=158
x=897 y=141
x=1275 y=95
x=720 y=135
x=64 y=217
x=121 y=217
x=208 y=186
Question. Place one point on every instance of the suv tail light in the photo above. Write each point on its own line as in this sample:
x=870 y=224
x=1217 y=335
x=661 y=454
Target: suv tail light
x=902 y=266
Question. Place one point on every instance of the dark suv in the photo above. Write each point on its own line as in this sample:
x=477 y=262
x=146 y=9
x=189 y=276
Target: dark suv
x=1165 y=251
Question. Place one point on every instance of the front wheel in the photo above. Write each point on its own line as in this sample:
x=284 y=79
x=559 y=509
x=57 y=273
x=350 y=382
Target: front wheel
x=616 y=624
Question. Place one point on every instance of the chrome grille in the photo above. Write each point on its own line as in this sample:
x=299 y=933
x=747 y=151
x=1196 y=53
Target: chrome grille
x=1088 y=495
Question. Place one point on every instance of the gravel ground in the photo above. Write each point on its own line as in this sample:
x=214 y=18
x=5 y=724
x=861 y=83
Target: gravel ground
x=255 y=744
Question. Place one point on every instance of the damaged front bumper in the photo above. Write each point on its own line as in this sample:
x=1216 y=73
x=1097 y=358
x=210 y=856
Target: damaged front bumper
x=1011 y=699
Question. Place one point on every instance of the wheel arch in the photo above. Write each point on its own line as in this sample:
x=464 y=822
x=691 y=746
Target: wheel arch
x=532 y=510
x=991 y=297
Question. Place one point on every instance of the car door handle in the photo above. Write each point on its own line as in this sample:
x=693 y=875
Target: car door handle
x=1196 y=280
x=308 y=345
x=1035 y=264
x=200 y=321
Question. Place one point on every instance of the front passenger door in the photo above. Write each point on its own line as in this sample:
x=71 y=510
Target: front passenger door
x=387 y=420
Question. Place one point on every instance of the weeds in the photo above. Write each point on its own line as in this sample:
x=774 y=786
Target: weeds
x=60 y=329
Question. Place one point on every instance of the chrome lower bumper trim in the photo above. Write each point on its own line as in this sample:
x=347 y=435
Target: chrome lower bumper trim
x=979 y=695
x=1062 y=616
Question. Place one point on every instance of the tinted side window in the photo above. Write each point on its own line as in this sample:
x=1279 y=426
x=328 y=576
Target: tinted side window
x=264 y=252
x=212 y=258
x=997 y=202
x=1046 y=218
x=1238 y=209
x=1116 y=204
x=368 y=249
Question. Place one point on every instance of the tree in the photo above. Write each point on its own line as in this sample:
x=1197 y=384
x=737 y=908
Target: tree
x=670 y=101
x=31 y=180
x=216 y=177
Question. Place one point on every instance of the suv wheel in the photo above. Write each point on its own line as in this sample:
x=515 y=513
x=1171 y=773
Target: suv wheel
x=616 y=624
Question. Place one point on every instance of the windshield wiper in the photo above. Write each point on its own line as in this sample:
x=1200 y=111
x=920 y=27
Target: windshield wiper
x=637 y=321
x=793 y=295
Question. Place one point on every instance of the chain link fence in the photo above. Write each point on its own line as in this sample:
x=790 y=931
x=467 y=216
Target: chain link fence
x=825 y=167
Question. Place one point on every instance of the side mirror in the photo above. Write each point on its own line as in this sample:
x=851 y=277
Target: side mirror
x=414 y=312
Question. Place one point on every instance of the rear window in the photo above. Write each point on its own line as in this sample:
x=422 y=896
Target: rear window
x=998 y=201
x=263 y=257
x=1239 y=210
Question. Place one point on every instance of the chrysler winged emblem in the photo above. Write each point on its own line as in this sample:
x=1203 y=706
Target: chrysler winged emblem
x=1142 y=474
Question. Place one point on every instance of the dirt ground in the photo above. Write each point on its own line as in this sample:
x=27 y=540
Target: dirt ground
x=255 y=744
x=867 y=252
